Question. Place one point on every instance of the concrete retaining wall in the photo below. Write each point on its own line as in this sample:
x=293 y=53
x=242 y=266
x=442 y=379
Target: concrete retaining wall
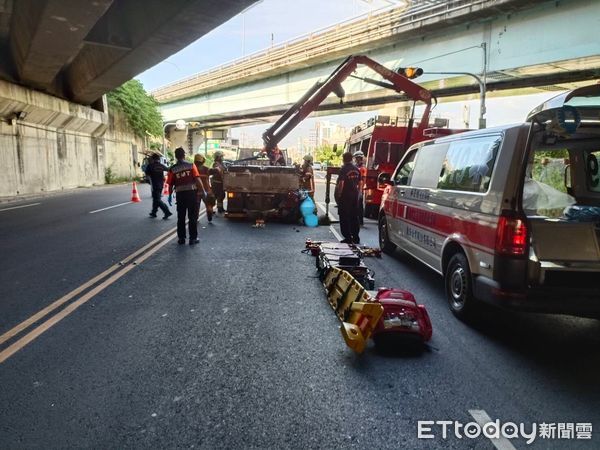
x=39 y=157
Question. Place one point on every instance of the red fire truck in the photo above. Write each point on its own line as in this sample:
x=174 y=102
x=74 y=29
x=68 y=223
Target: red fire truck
x=383 y=141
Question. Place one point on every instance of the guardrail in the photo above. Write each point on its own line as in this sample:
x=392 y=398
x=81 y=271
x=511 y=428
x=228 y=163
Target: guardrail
x=341 y=37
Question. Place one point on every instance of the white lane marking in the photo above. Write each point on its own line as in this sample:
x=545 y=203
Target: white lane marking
x=322 y=206
x=109 y=207
x=333 y=230
x=482 y=418
x=335 y=233
x=22 y=206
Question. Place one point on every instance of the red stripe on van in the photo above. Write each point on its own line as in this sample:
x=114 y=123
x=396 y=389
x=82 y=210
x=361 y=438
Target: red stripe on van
x=476 y=232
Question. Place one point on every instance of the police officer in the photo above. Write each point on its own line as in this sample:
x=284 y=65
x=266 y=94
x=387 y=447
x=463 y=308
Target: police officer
x=185 y=180
x=217 y=180
x=346 y=196
x=156 y=174
x=205 y=195
x=307 y=176
x=359 y=161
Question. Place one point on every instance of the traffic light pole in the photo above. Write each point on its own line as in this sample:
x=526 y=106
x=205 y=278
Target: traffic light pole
x=482 y=90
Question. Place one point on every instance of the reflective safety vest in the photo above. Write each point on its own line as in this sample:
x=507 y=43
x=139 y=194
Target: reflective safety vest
x=363 y=176
x=183 y=176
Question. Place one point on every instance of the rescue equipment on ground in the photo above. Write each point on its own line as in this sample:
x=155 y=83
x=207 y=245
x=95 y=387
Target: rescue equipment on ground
x=385 y=314
x=345 y=257
x=355 y=308
x=135 y=196
x=362 y=250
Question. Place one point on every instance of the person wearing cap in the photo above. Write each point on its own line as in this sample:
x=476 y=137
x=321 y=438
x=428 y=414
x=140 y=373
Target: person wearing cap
x=217 y=180
x=346 y=196
x=155 y=171
x=307 y=177
x=205 y=195
x=185 y=180
x=359 y=161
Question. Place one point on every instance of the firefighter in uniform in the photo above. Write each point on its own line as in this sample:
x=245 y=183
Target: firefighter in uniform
x=206 y=194
x=346 y=196
x=185 y=180
x=156 y=173
x=307 y=176
x=217 y=180
x=359 y=161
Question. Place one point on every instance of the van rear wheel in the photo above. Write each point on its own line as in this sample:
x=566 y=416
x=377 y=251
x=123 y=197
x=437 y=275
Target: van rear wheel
x=384 y=238
x=459 y=287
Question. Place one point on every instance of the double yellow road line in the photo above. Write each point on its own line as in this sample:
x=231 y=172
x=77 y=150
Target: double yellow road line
x=105 y=279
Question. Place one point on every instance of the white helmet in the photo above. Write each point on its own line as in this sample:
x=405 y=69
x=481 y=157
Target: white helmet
x=359 y=154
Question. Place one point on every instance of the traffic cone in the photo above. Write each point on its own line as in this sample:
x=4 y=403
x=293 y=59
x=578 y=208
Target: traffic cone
x=135 y=197
x=165 y=189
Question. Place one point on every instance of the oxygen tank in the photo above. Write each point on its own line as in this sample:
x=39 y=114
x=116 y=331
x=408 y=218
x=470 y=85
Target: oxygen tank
x=307 y=209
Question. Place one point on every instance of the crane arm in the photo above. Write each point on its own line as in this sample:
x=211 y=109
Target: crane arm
x=311 y=100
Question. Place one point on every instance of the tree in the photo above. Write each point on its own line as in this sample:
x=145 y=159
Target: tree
x=327 y=154
x=140 y=108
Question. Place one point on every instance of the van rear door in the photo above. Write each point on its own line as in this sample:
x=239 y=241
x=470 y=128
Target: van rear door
x=561 y=191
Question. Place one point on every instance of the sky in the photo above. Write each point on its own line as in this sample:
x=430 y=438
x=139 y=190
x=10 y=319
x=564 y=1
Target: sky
x=273 y=22
x=269 y=22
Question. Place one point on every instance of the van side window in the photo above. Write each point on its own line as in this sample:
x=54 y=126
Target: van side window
x=549 y=167
x=469 y=163
x=428 y=165
x=592 y=170
x=404 y=172
x=546 y=185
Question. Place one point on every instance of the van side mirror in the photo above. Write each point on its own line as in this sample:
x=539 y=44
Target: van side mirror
x=384 y=179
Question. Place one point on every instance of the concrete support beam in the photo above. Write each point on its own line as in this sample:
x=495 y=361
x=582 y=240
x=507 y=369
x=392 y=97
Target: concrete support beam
x=45 y=34
x=132 y=37
x=25 y=105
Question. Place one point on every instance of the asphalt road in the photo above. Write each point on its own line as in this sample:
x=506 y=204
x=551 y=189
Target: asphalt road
x=231 y=344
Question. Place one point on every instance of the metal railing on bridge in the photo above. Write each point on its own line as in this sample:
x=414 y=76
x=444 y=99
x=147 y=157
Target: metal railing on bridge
x=321 y=46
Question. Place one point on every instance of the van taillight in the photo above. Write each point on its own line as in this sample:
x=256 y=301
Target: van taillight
x=511 y=236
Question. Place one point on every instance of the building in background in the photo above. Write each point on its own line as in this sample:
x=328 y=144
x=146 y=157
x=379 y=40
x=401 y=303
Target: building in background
x=329 y=133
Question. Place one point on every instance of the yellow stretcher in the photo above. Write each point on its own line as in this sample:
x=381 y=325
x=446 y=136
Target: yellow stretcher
x=354 y=306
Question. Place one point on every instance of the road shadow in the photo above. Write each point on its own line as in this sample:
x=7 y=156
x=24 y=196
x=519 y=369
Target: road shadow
x=403 y=347
x=564 y=348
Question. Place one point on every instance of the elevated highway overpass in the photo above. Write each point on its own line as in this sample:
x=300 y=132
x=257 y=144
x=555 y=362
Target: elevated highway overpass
x=514 y=45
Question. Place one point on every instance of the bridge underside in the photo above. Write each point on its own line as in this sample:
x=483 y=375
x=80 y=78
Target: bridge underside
x=80 y=49
x=524 y=50
x=455 y=89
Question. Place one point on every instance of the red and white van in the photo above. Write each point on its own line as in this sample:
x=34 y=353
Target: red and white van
x=508 y=215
